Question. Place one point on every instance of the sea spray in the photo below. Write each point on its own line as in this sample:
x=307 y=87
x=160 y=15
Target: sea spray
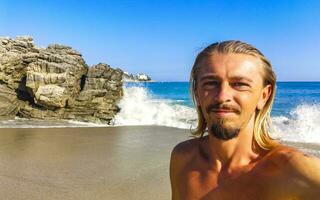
x=168 y=104
x=139 y=107
x=302 y=125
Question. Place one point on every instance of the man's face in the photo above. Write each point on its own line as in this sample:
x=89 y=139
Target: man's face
x=229 y=90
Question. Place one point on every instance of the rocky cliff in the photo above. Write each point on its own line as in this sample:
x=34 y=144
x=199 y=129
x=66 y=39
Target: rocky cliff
x=55 y=83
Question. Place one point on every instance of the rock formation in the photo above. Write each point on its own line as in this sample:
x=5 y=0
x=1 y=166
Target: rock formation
x=127 y=77
x=55 y=83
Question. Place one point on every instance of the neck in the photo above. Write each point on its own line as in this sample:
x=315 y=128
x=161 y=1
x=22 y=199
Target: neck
x=234 y=153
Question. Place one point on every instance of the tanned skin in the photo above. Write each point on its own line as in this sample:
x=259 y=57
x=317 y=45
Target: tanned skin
x=237 y=169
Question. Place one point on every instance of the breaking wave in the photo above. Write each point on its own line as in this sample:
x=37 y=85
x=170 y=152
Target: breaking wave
x=302 y=124
x=140 y=107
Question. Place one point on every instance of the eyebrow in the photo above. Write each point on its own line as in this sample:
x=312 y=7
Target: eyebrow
x=209 y=77
x=239 y=78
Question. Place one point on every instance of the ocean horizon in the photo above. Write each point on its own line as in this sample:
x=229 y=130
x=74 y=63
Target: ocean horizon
x=295 y=112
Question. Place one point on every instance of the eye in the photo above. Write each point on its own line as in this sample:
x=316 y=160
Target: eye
x=240 y=85
x=210 y=84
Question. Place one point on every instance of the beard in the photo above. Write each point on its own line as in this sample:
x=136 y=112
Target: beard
x=223 y=133
x=218 y=128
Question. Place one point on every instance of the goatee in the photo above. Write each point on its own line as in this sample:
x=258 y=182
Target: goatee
x=222 y=133
x=218 y=129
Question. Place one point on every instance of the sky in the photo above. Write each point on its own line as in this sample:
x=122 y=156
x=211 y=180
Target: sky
x=162 y=37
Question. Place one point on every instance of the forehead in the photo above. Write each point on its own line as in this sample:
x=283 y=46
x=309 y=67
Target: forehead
x=230 y=65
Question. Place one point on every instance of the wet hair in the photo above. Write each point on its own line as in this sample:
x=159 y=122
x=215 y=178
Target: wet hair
x=262 y=122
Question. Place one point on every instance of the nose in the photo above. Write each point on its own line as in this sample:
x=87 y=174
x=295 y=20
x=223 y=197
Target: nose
x=223 y=93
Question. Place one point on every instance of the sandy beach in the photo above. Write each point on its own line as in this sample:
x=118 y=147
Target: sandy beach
x=87 y=163
x=91 y=163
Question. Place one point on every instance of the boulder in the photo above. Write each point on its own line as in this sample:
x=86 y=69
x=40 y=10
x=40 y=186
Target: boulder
x=100 y=94
x=55 y=83
x=55 y=76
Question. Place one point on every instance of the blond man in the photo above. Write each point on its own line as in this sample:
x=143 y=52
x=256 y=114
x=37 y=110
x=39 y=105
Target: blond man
x=233 y=157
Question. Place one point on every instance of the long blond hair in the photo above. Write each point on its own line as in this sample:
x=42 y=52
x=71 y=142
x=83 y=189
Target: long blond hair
x=262 y=123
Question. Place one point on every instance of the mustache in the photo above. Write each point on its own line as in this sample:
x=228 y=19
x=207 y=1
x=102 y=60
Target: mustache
x=218 y=106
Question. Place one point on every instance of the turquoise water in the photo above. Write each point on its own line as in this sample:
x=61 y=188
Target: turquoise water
x=289 y=95
x=292 y=94
x=295 y=114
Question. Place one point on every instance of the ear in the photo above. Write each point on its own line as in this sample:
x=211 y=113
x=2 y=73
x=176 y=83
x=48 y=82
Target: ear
x=264 y=96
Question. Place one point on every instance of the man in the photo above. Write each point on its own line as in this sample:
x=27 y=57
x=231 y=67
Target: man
x=233 y=88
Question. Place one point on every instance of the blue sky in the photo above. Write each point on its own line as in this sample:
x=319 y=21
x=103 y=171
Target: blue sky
x=162 y=38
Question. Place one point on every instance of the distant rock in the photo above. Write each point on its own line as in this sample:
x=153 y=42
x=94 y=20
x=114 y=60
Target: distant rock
x=55 y=83
x=127 y=77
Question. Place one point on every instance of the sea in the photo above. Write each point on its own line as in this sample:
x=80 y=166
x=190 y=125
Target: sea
x=295 y=114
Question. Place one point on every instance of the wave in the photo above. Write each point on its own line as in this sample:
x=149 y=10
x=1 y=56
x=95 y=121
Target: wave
x=139 y=107
x=302 y=125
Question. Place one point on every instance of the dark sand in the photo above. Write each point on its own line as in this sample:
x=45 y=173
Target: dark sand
x=87 y=163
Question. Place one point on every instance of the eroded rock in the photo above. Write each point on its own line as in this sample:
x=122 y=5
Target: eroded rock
x=55 y=83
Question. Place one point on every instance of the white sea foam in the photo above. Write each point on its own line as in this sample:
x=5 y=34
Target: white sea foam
x=301 y=126
x=138 y=107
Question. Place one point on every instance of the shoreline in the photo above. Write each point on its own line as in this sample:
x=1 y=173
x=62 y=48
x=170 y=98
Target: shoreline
x=87 y=163
x=122 y=162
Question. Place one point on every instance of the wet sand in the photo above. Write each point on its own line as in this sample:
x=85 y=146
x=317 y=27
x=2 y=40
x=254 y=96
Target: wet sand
x=87 y=163
x=91 y=163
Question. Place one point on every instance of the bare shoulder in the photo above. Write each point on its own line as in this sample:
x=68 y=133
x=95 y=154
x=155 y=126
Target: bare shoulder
x=187 y=146
x=181 y=155
x=296 y=161
x=184 y=151
x=302 y=169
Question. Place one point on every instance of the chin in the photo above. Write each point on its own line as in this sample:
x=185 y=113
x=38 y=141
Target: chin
x=225 y=135
x=226 y=123
x=224 y=131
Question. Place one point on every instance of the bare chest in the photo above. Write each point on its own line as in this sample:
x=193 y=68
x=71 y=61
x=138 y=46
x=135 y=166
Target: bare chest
x=198 y=184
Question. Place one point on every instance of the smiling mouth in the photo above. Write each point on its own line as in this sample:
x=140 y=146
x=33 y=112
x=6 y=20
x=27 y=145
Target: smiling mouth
x=223 y=109
x=223 y=112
